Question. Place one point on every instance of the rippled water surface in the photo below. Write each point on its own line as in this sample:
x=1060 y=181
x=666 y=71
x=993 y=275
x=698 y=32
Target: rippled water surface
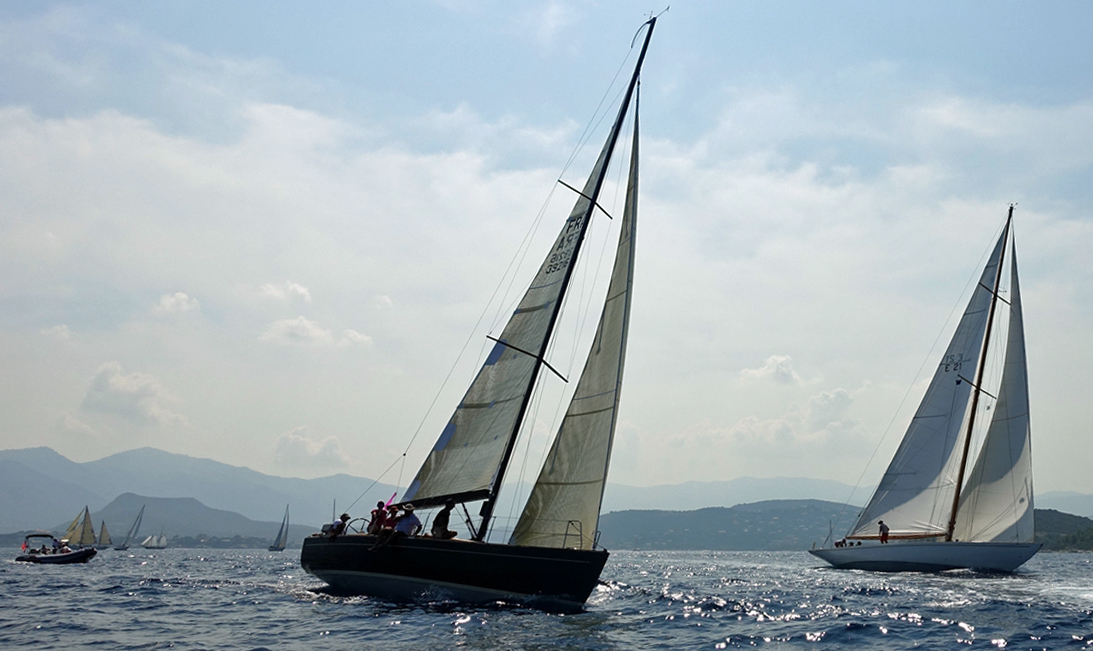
x=203 y=599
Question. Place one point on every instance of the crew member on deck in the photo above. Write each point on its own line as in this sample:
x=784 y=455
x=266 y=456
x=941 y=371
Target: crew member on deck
x=883 y=532
x=379 y=518
x=440 y=522
x=338 y=526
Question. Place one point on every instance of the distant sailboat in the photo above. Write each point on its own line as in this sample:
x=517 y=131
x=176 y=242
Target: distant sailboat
x=104 y=541
x=155 y=542
x=132 y=531
x=282 y=534
x=81 y=533
x=944 y=512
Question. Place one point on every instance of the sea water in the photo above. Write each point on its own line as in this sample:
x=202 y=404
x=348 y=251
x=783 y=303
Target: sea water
x=247 y=599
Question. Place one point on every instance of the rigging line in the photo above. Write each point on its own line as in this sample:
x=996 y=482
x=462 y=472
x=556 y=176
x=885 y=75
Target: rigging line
x=374 y=482
x=593 y=122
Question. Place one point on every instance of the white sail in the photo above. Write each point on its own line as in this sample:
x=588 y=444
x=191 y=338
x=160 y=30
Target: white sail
x=104 y=536
x=564 y=507
x=465 y=460
x=282 y=533
x=996 y=504
x=915 y=496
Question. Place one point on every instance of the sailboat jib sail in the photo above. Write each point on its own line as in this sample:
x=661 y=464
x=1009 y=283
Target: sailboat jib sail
x=563 y=509
x=962 y=477
x=997 y=502
x=551 y=553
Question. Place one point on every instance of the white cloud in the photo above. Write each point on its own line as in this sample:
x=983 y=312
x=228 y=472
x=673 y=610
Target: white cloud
x=285 y=291
x=296 y=450
x=777 y=368
x=351 y=337
x=58 y=332
x=137 y=397
x=299 y=331
x=175 y=303
x=383 y=302
x=72 y=425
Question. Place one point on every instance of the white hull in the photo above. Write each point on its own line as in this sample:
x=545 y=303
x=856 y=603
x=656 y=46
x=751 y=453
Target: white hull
x=930 y=556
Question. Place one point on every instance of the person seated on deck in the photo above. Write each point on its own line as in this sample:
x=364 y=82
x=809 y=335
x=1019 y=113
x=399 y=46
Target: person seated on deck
x=338 y=526
x=65 y=549
x=406 y=524
x=440 y=522
x=379 y=518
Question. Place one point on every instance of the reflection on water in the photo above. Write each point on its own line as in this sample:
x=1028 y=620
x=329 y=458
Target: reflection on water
x=193 y=599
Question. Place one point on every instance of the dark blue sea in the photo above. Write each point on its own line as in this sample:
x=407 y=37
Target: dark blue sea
x=246 y=599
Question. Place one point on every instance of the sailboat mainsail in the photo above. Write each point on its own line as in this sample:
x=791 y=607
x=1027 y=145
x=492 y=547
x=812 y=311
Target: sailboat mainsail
x=104 y=540
x=282 y=535
x=551 y=552
x=982 y=518
x=564 y=507
x=134 y=529
x=83 y=534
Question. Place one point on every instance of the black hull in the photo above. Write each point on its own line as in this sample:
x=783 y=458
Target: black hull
x=78 y=556
x=412 y=568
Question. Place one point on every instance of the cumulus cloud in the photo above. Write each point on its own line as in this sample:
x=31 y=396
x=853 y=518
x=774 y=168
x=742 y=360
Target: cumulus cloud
x=299 y=331
x=777 y=368
x=295 y=449
x=72 y=425
x=137 y=397
x=175 y=303
x=58 y=332
x=285 y=291
x=352 y=337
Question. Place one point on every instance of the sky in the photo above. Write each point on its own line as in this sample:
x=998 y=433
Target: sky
x=263 y=232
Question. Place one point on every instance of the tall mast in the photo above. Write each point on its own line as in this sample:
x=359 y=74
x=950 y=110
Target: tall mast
x=487 y=507
x=976 y=388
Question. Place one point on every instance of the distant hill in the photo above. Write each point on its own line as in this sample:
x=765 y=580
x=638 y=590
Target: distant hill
x=744 y=490
x=39 y=487
x=1067 y=502
x=772 y=525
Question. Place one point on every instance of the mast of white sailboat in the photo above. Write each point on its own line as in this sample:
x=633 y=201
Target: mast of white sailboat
x=976 y=388
x=491 y=501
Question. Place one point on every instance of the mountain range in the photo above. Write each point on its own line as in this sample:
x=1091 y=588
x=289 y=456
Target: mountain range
x=40 y=488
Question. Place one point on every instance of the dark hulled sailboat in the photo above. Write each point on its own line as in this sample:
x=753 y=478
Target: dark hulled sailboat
x=551 y=558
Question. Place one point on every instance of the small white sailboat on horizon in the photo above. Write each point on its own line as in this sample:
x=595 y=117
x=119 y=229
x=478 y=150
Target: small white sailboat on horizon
x=939 y=514
x=155 y=542
x=282 y=535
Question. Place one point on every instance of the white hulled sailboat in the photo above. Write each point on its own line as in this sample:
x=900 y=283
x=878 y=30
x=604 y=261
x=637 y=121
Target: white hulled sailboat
x=940 y=514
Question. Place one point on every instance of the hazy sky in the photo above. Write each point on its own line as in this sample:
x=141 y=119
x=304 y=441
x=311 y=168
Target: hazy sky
x=262 y=232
